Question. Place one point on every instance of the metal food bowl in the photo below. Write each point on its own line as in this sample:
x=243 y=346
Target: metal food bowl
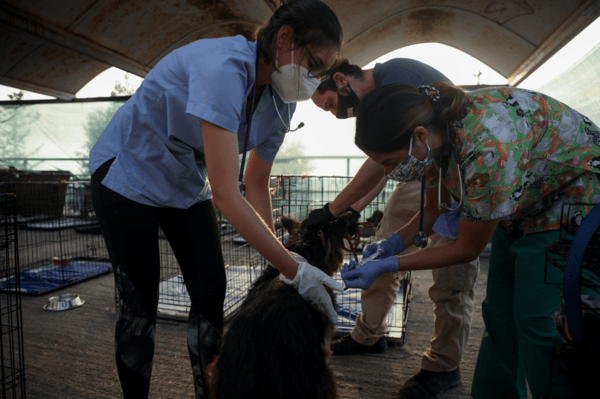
x=63 y=302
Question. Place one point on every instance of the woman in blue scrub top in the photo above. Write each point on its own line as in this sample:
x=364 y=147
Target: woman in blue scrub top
x=195 y=112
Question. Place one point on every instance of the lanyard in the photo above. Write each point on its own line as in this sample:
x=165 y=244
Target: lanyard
x=441 y=205
x=241 y=177
x=420 y=239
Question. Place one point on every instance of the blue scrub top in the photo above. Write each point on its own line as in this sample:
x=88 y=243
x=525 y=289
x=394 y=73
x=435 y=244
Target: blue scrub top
x=406 y=70
x=156 y=136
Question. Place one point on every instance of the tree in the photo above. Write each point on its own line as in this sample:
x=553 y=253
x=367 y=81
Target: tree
x=16 y=96
x=289 y=160
x=14 y=129
x=123 y=89
x=97 y=121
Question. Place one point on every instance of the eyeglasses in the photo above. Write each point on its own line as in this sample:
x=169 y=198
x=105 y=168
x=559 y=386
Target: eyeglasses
x=321 y=73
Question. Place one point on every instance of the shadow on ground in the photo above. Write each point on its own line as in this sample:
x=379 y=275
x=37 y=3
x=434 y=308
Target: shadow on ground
x=70 y=354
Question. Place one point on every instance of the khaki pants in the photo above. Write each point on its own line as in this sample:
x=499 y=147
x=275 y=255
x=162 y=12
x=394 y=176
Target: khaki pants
x=451 y=292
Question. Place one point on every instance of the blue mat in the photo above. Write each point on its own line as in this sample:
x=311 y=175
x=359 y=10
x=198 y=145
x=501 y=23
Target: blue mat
x=50 y=277
x=58 y=224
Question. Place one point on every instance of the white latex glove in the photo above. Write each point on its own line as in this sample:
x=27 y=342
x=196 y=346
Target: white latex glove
x=310 y=283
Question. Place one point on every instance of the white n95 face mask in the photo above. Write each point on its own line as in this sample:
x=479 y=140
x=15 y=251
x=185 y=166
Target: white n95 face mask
x=410 y=168
x=292 y=83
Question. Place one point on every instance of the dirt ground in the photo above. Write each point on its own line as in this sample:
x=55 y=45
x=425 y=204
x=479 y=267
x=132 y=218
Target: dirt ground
x=70 y=354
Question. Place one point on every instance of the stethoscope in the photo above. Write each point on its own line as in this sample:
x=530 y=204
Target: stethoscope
x=285 y=130
x=286 y=127
x=421 y=238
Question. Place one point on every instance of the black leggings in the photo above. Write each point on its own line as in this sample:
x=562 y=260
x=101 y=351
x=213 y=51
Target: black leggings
x=130 y=230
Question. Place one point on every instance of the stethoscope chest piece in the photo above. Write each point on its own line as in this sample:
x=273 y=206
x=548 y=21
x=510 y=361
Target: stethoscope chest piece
x=421 y=240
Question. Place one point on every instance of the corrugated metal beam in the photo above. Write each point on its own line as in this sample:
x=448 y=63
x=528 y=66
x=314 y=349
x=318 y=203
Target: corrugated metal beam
x=578 y=21
x=21 y=85
x=29 y=24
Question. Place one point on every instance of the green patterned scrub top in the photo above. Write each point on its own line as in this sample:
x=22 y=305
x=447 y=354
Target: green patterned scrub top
x=523 y=156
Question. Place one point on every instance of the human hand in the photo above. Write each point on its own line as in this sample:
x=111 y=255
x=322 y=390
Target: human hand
x=318 y=217
x=364 y=275
x=387 y=247
x=310 y=283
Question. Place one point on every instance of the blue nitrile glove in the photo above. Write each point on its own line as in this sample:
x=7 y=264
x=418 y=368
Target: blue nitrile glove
x=364 y=275
x=447 y=223
x=392 y=245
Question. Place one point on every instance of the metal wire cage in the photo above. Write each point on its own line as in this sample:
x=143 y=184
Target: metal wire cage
x=296 y=196
x=12 y=363
x=292 y=196
x=59 y=238
x=243 y=265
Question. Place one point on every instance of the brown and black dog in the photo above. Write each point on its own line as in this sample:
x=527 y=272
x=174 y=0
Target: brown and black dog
x=277 y=345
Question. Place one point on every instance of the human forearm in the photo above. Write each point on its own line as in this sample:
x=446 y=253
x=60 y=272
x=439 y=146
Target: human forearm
x=260 y=200
x=365 y=180
x=411 y=229
x=257 y=188
x=251 y=226
x=442 y=255
x=222 y=167
x=362 y=203
x=471 y=239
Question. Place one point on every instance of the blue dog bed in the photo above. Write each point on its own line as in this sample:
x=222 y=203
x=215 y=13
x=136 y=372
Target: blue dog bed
x=58 y=224
x=50 y=277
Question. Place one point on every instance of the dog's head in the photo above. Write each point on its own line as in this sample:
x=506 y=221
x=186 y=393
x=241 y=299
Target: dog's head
x=323 y=246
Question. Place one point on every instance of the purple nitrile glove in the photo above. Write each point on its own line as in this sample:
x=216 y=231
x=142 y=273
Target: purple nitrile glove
x=387 y=247
x=364 y=275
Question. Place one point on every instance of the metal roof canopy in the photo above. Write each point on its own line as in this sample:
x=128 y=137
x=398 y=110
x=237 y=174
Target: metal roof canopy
x=56 y=47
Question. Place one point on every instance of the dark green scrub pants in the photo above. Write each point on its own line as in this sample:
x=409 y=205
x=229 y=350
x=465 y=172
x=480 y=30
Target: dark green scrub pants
x=517 y=344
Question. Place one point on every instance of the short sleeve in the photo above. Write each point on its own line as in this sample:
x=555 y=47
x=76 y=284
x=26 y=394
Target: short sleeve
x=274 y=133
x=217 y=88
x=267 y=151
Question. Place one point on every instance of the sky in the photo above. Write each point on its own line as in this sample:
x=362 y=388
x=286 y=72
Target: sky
x=323 y=134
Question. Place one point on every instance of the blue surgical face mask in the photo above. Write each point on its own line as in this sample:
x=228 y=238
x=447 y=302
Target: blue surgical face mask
x=411 y=168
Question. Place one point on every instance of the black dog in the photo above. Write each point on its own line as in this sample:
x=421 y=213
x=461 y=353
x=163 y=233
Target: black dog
x=277 y=346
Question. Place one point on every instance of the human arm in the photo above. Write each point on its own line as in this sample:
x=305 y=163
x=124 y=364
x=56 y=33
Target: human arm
x=256 y=180
x=362 y=203
x=221 y=154
x=364 y=182
x=472 y=237
x=366 y=179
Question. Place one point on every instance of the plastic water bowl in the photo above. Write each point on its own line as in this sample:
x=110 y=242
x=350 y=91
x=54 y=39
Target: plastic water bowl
x=63 y=302
x=61 y=260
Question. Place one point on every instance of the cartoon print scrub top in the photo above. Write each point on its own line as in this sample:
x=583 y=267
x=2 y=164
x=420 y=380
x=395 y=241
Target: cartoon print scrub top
x=524 y=155
x=156 y=136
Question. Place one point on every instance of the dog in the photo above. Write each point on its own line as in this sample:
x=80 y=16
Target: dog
x=277 y=345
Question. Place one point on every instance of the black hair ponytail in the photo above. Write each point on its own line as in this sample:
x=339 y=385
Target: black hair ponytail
x=312 y=21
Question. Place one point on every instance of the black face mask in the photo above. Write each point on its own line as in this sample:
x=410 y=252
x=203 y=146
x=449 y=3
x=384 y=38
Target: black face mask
x=347 y=105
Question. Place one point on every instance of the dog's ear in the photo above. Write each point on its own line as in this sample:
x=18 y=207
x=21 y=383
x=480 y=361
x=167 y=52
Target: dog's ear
x=290 y=225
